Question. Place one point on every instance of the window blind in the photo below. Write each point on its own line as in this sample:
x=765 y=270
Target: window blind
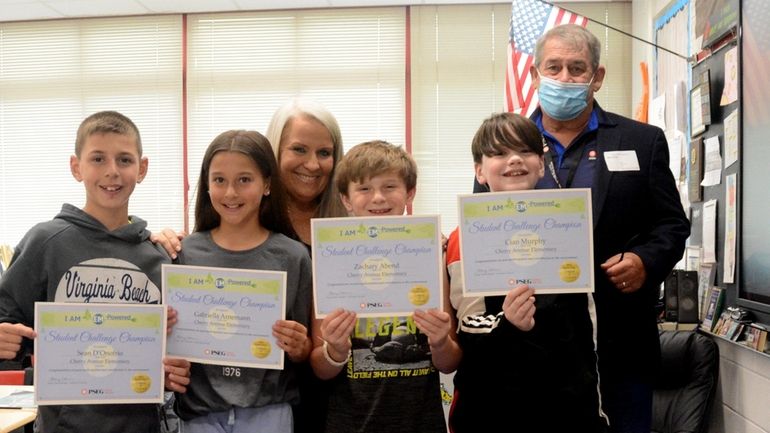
x=458 y=73
x=55 y=73
x=240 y=68
x=243 y=66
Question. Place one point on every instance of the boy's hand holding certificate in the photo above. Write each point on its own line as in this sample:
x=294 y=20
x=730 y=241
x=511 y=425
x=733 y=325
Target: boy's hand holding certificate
x=377 y=266
x=542 y=238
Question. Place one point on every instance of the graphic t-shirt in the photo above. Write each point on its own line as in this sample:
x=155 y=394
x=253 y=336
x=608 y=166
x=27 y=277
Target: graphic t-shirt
x=389 y=384
x=106 y=280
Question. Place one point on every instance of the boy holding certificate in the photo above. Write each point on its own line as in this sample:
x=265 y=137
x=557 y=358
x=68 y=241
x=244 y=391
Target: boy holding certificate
x=98 y=254
x=396 y=386
x=528 y=362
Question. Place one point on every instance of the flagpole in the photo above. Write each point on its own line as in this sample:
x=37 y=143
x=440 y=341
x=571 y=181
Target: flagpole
x=689 y=59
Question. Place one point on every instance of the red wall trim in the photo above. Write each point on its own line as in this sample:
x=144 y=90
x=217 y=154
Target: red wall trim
x=185 y=174
x=408 y=87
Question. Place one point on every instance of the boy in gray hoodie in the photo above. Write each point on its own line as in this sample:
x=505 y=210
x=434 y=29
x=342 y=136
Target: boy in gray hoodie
x=96 y=254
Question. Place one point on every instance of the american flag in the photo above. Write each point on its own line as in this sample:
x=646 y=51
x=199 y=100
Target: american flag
x=529 y=20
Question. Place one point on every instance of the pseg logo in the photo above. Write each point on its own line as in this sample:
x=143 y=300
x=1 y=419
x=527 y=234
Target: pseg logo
x=220 y=353
x=374 y=305
x=94 y=391
x=517 y=281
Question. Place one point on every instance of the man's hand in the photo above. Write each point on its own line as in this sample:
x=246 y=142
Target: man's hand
x=628 y=274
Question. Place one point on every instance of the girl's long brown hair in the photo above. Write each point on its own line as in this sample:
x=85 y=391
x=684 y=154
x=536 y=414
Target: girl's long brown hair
x=272 y=210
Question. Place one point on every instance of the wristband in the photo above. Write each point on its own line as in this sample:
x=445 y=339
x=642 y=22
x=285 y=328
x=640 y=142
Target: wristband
x=331 y=360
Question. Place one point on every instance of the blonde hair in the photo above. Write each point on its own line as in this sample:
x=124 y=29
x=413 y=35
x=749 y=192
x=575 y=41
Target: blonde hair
x=329 y=204
x=373 y=158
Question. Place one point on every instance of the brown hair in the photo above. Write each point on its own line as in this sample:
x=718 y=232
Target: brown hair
x=372 y=158
x=272 y=210
x=106 y=122
x=506 y=131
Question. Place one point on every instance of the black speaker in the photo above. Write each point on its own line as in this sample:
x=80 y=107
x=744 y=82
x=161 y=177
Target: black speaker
x=671 y=297
x=680 y=292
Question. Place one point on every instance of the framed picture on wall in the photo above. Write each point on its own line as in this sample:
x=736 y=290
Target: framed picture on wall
x=700 y=104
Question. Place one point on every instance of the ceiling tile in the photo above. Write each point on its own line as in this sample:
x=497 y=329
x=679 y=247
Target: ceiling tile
x=89 y=8
x=191 y=6
x=16 y=10
x=353 y=3
x=26 y=10
x=281 y=4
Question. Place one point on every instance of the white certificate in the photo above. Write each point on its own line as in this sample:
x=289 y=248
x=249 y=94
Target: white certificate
x=99 y=353
x=377 y=266
x=225 y=316
x=542 y=238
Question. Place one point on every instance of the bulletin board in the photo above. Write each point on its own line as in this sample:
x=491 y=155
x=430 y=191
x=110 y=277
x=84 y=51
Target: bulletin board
x=716 y=206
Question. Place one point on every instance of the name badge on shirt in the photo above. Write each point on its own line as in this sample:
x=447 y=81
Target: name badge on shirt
x=621 y=160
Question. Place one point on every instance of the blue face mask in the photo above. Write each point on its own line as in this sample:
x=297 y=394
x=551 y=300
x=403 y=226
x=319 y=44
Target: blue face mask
x=563 y=101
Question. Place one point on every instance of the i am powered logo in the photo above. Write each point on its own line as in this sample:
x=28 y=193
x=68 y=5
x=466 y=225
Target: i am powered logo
x=371 y=231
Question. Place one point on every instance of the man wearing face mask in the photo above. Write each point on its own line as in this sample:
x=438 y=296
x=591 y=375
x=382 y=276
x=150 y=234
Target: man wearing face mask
x=640 y=227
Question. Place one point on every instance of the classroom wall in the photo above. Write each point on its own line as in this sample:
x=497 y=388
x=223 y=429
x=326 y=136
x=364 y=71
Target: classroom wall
x=743 y=394
x=741 y=404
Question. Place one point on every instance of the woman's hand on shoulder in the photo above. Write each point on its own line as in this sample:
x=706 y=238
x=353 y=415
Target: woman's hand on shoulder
x=170 y=240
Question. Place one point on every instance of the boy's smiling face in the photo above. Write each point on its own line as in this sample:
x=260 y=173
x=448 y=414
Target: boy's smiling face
x=382 y=194
x=109 y=166
x=510 y=170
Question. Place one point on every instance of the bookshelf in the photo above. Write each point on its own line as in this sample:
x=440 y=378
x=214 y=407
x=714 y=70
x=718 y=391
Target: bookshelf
x=736 y=343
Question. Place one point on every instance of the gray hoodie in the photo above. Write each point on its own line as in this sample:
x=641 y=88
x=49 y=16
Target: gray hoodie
x=74 y=258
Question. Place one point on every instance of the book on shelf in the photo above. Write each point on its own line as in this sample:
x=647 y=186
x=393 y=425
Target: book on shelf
x=756 y=337
x=736 y=330
x=714 y=309
x=722 y=325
